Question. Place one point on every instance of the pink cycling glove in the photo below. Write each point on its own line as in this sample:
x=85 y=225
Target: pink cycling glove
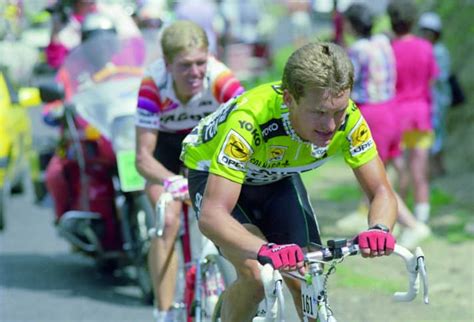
x=376 y=240
x=177 y=186
x=280 y=256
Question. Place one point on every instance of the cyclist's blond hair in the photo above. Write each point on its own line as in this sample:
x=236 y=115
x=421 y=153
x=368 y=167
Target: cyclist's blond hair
x=181 y=36
x=318 y=65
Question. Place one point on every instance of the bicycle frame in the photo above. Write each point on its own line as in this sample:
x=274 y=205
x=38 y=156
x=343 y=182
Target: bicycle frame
x=313 y=291
x=194 y=286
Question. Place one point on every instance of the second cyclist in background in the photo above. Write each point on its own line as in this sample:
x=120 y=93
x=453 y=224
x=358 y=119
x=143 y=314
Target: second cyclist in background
x=176 y=92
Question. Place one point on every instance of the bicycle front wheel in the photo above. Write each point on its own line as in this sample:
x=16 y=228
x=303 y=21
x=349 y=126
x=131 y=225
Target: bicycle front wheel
x=217 y=274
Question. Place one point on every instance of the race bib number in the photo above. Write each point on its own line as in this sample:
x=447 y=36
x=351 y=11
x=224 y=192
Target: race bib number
x=309 y=300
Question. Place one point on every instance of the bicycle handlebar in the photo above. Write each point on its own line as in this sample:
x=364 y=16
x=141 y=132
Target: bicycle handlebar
x=415 y=265
x=160 y=208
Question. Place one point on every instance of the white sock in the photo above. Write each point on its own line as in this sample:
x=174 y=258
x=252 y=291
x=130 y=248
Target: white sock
x=158 y=315
x=422 y=211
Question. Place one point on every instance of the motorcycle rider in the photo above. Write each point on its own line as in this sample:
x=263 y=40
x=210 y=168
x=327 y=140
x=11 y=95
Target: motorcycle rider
x=56 y=176
x=68 y=18
x=176 y=92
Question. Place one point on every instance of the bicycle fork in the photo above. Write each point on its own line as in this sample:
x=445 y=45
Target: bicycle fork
x=321 y=311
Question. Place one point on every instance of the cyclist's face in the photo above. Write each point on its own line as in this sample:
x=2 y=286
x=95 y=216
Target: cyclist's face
x=317 y=115
x=188 y=70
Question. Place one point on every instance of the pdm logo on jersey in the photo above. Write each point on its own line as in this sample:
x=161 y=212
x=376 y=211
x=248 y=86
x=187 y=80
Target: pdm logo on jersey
x=360 y=138
x=235 y=152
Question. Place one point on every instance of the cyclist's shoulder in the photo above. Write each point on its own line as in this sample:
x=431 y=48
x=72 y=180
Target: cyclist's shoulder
x=223 y=84
x=261 y=100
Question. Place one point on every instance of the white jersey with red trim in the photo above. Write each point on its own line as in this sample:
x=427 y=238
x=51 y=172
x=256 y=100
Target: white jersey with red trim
x=159 y=108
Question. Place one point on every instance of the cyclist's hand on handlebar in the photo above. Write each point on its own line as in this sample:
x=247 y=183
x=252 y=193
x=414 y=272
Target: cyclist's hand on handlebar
x=177 y=186
x=287 y=257
x=375 y=242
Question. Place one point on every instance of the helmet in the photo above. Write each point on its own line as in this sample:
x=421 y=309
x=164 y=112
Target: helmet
x=96 y=23
x=431 y=21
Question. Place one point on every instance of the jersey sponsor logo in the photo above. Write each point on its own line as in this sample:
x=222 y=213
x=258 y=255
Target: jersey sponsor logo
x=252 y=129
x=344 y=124
x=272 y=129
x=183 y=117
x=276 y=153
x=353 y=106
x=209 y=130
x=144 y=113
x=256 y=174
x=319 y=152
x=235 y=152
x=146 y=119
x=268 y=165
x=205 y=103
x=277 y=89
x=360 y=138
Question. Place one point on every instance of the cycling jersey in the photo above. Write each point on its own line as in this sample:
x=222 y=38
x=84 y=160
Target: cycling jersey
x=158 y=107
x=250 y=140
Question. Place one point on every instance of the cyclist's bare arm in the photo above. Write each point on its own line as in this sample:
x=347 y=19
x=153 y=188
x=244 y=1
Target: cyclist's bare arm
x=218 y=225
x=146 y=164
x=383 y=205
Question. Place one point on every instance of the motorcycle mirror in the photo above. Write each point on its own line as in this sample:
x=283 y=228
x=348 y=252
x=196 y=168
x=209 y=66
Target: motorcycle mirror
x=50 y=92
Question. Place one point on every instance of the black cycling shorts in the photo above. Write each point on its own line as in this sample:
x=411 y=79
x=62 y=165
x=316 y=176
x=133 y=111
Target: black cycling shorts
x=281 y=210
x=168 y=149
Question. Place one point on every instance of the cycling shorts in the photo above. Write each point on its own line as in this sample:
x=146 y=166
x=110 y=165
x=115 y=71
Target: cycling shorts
x=281 y=210
x=168 y=150
x=418 y=139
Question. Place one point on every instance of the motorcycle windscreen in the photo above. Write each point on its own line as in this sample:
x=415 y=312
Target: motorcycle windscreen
x=102 y=77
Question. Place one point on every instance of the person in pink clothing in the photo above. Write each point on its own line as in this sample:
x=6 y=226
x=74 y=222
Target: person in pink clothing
x=374 y=93
x=67 y=34
x=416 y=71
x=67 y=28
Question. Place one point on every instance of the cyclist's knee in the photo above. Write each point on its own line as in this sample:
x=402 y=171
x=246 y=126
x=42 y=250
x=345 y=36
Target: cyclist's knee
x=248 y=275
x=172 y=217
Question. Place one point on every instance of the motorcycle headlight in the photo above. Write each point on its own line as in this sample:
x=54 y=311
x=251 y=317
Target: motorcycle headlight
x=123 y=133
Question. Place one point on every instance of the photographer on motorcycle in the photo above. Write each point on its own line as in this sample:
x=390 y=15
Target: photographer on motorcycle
x=63 y=163
x=68 y=19
x=177 y=91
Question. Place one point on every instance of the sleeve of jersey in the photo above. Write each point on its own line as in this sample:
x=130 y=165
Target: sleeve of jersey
x=224 y=84
x=148 y=105
x=360 y=146
x=235 y=148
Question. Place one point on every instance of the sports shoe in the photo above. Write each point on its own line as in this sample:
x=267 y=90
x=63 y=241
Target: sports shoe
x=166 y=316
x=411 y=237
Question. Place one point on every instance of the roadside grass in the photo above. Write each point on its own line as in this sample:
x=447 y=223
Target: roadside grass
x=348 y=278
x=333 y=188
x=335 y=185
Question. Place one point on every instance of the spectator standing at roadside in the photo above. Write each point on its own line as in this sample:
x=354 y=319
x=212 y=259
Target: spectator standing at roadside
x=374 y=94
x=430 y=28
x=416 y=71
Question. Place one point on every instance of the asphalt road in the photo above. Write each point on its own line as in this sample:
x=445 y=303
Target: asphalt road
x=41 y=280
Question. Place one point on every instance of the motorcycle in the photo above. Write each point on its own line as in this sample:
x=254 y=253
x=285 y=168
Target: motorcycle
x=109 y=212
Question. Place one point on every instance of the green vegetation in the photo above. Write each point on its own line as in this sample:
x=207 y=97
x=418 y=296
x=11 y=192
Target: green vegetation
x=347 y=277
